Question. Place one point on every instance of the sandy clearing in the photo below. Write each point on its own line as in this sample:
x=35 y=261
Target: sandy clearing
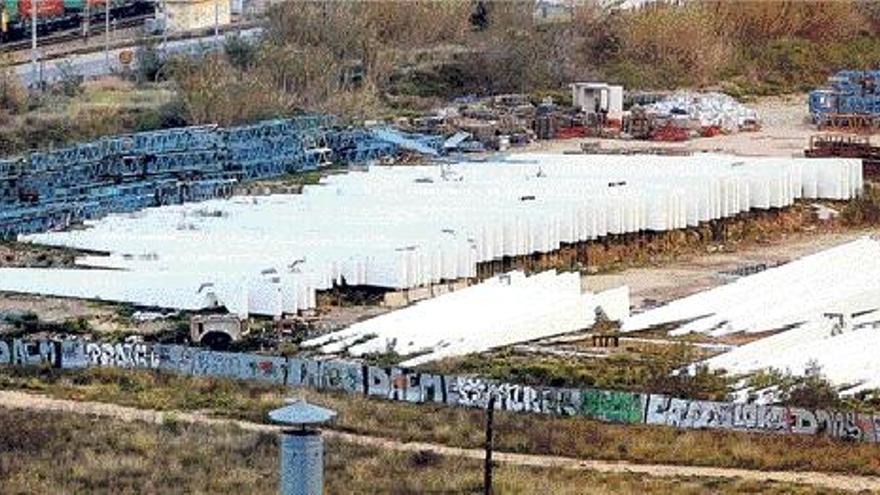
x=785 y=131
x=681 y=278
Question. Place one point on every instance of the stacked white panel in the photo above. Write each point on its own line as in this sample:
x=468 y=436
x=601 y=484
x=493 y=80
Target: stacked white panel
x=502 y=311
x=402 y=227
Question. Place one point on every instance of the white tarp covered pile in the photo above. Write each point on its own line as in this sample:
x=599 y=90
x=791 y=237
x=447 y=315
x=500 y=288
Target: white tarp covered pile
x=403 y=227
x=844 y=279
x=831 y=297
x=709 y=109
x=504 y=310
x=846 y=354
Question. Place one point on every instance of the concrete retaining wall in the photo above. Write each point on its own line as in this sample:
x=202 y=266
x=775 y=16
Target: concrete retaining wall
x=411 y=386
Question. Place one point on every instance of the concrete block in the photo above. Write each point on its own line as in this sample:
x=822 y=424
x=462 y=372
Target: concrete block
x=459 y=284
x=440 y=289
x=419 y=294
x=396 y=299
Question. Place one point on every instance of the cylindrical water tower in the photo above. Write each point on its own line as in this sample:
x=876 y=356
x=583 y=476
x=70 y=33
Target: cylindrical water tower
x=302 y=448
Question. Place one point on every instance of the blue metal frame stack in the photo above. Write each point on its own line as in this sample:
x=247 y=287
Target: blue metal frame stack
x=849 y=92
x=359 y=146
x=54 y=189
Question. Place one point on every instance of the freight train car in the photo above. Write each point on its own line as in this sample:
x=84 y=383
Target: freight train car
x=56 y=15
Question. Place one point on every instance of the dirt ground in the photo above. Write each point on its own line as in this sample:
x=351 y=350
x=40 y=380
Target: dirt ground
x=658 y=285
x=52 y=309
x=101 y=317
x=785 y=132
x=336 y=318
x=24 y=255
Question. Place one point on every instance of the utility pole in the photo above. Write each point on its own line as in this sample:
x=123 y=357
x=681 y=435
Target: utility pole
x=217 y=21
x=87 y=21
x=487 y=466
x=164 y=25
x=107 y=33
x=34 y=39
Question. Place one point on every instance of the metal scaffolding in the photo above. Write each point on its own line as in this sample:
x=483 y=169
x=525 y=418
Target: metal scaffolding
x=54 y=189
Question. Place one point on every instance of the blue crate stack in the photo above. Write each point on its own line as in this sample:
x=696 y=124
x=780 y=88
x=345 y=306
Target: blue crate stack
x=849 y=92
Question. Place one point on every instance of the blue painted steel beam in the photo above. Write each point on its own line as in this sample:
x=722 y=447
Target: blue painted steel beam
x=53 y=189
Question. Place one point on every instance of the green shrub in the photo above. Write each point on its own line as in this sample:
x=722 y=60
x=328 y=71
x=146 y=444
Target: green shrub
x=864 y=210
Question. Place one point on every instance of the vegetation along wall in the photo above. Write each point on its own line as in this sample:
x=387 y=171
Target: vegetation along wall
x=405 y=385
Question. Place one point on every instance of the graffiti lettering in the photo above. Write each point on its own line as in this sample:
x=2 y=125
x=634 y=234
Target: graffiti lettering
x=472 y=392
x=622 y=407
x=122 y=355
x=411 y=386
x=5 y=354
x=304 y=373
x=176 y=358
x=263 y=368
x=29 y=353
x=432 y=387
x=561 y=401
x=73 y=354
x=346 y=377
x=378 y=382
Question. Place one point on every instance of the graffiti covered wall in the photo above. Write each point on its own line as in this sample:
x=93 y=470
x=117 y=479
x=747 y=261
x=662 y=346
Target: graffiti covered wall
x=621 y=407
x=398 y=384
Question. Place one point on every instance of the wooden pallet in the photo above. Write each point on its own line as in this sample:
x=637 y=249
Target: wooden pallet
x=866 y=123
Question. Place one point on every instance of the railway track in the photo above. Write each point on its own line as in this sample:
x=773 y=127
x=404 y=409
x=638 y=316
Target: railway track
x=74 y=34
x=22 y=57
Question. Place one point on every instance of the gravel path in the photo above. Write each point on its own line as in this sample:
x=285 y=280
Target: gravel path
x=20 y=400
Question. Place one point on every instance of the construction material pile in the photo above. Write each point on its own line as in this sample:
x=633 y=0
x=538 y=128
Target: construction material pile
x=828 y=281
x=404 y=227
x=831 y=298
x=504 y=310
x=116 y=174
x=706 y=110
x=842 y=347
x=480 y=123
x=850 y=100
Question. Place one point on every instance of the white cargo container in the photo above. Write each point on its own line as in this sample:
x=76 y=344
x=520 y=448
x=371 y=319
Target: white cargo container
x=595 y=97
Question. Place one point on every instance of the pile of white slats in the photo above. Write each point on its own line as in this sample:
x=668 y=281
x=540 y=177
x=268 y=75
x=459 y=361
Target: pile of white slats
x=402 y=227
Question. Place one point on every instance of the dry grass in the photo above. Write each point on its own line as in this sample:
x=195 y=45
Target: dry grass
x=64 y=453
x=748 y=46
x=864 y=210
x=102 y=108
x=751 y=21
x=118 y=93
x=682 y=43
x=634 y=366
x=459 y=427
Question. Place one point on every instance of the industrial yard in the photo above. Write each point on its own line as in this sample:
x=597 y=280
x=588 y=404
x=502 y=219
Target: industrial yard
x=523 y=246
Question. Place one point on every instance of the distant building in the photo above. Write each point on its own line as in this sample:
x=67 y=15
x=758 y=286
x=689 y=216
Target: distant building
x=595 y=97
x=551 y=10
x=554 y=10
x=188 y=15
x=638 y=4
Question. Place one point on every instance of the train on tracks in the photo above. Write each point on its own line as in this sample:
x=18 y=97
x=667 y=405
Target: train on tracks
x=55 y=16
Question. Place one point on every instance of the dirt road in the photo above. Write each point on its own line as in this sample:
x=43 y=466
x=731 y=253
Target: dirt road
x=684 y=277
x=20 y=400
